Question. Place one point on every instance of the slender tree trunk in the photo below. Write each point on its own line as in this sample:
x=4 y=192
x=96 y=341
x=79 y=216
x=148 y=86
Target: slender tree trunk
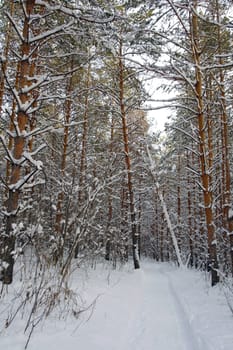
x=125 y=131
x=160 y=194
x=6 y=54
x=227 y=221
x=179 y=231
x=60 y=199
x=7 y=243
x=4 y=69
x=203 y=150
x=110 y=206
x=63 y=161
x=190 y=223
x=83 y=159
x=84 y=138
x=161 y=236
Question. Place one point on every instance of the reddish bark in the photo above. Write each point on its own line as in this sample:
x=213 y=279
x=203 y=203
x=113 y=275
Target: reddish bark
x=7 y=242
x=204 y=151
x=134 y=234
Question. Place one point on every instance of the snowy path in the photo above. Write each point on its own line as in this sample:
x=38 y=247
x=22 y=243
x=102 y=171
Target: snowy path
x=170 y=328
x=158 y=307
x=143 y=311
x=155 y=318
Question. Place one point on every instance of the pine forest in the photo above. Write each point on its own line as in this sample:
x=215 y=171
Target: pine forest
x=84 y=176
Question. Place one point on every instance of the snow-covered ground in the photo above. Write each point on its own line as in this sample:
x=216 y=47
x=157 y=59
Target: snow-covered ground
x=158 y=307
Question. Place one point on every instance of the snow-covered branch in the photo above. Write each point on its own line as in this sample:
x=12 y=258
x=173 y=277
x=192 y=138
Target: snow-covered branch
x=51 y=32
x=15 y=26
x=78 y=13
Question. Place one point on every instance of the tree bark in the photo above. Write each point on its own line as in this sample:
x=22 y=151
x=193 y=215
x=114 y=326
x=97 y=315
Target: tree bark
x=6 y=54
x=227 y=221
x=125 y=132
x=7 y=243
x=204 y=151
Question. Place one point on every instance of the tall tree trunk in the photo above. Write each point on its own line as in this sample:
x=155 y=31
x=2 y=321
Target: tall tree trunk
x=190 y=223
x=84 y=137
x=204 y=151
x=110 y=206
x=83 y=159
x=178 y=224
x=125 y=132
x=227 y=220
x=6 y=54
x=160 y=194
x=60 y=199
x=7 y=243
x=2 y=88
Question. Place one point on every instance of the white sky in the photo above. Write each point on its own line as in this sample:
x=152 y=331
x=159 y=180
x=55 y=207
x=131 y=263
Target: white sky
x=157 y=118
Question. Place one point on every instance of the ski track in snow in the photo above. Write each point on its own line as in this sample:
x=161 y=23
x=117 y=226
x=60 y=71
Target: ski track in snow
x=162 y=325
x=141 y=324
x=145 y=309
x=193 y=342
